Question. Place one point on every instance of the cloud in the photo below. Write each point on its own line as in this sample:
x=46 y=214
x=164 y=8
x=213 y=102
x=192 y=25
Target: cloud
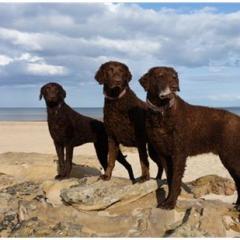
x=26 y=40
x=45 y=69
x=67 y=42
x=5 y=60
x=126 y=30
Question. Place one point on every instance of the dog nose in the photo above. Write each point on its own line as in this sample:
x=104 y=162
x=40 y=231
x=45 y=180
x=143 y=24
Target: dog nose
x=117 y=81
x=161 y=95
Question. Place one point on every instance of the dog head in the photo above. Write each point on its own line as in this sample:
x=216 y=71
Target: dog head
x=160 y=82
x=53 y=93
x=115 y=77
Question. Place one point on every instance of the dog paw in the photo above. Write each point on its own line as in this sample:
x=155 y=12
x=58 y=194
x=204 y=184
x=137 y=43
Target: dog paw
x=237 y=207
x=133 y=181
x=59 y=177
x=168 y=205
x=143 y=179
x=105 y=177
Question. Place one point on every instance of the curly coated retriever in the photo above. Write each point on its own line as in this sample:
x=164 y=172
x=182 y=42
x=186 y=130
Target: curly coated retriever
x=124 y=117
x=177 y=130
x=69 y=129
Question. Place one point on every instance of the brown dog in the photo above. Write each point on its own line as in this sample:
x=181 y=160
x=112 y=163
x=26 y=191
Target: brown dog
x=69 y=129
x=124 y=117
x=177 y=130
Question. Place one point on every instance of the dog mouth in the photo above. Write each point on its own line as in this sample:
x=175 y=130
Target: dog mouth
x=51 y=102
x=114 y=92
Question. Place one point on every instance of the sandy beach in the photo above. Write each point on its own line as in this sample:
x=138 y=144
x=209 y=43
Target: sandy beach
x=33 y=137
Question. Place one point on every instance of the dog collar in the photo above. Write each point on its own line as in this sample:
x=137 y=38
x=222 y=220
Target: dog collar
x=118 y=97
x=156 y=108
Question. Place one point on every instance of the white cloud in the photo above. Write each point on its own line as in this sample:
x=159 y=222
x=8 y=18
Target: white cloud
x=5 y=60
x=28 y=57
x=27 y=40
x=45 y=69
x=128 y=31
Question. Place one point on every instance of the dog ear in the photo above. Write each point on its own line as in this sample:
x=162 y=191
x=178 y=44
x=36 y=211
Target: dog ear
x=100 y=74
x=41 y=92
x=128 y=75
x=175 y=84
x=62 y=93
x=145 y=81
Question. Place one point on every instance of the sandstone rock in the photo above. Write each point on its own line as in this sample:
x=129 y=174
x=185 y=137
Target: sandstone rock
x=117 y=208
x=211 y=184
x=189 y=226
x=23 y=190
x=7 y=202
x=10 y=220
x=52 y=189
x=201 y=222
x=33 y=228
x=103 y=194
x=159 y=221
x=212 y=222
x=6 y=180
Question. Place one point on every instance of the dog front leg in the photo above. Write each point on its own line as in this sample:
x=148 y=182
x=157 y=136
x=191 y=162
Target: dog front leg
x=142 y=151
x=156 y=158
x=60 y=162
x=69 y=156
x=113 y=148
x=175 y=171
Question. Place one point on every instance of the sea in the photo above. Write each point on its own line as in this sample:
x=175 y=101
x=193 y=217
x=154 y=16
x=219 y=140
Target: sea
x=40 y=114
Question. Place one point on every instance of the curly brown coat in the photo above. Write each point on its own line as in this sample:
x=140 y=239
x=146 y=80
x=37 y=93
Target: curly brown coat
x=124 y=117
x=177 y=130
x=68 y=129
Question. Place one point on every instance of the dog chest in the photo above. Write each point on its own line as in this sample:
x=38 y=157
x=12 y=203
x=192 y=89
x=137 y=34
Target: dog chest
x=119 y=126
x=159 y=133
x=59 y=130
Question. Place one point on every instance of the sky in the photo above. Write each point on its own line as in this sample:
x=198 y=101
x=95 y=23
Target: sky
x=66 y=43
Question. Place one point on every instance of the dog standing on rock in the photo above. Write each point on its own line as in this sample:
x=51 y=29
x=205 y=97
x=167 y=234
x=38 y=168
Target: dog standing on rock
x=177 y=130
x=124 y=117
x=69 y=129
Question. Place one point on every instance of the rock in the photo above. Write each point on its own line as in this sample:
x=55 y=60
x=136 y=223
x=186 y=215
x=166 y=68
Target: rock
x=68 y=229
x=32 y=228
x=235 y=227
x=7 y=202
x=115 y=208
x=102 y=194
x=6 y=180
x=211 y=184
x=188 y=227
x=200 y=222
x=23 y=190
x=211 y=222
x=52 y=189
x=8 y=223
x=159 y=221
